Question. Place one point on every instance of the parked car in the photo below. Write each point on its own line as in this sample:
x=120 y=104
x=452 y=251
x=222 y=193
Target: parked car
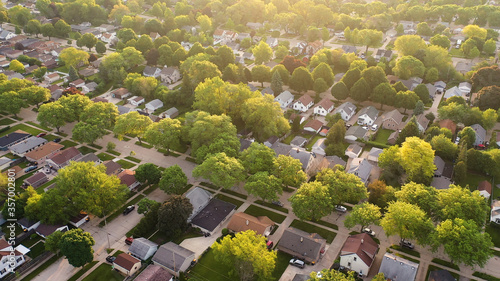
x=368 y=231
x=269 y=244
x=110 y=259
x=56 y=140
x=406 y=244
x=297 y=263
x=277 y=203
x=340 y=208
x=41 y=135
x=129 y=209
x=30 y=168
x=129 y=240
x=374 y=127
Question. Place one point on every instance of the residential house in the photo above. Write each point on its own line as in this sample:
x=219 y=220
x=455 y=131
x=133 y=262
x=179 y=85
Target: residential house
x=324 y=107
x=106 y=27
x=244 y=144
x=485 y=189
x=408 y=27
x=174 y=258
x=441 y=275
x=7 y=35
x=393 y=138
x=439 y=163
x=349 y=49
x=272 y=42
x=61 y=159
x=109 y=38
x=142 y=248
x=90 y=157
x=242 y=222
x=42 y=153
x=422 y=122
x=11 y=257
x=298 y=141
x=123 y=109
x=313 y=126
x=284 y=99
x=254 y=25
x=319 y=147
x=361 y=168
x=432 y=90
x=334 y=161
x=112 y=168
x=36 y=180
x=79 y=219
x=5 y=163
x=28 y=225
x=120 y=93
x=367 y=116
x=353 y=151
x=358 y=253
x=440 y=86
x=354 y=133
x=153 y=105
x=267 y=91
x=127 y=177
x=45 y=230
x=480 y=134
x=495 y=211
x=346 y=110
x=154 y=273
x=52 y=77
x=306 y=246
x=270 y=141
x=324 y=132
x=281 y=148
x=170 y=113
x=294 y=116
x=239 y=60
x=448 y=124
x=56 y=52
x=392 y=120
x=170 y=75
x=379 y=54
x=310 y=162
x=126 y=264
x=154 y=35
x=465 y=87
x=464 y=66
x=13 y=54
x=199 y=198
x=150 y=71
x=453 y=92
x=136 y=100
x=27 y=145
x=374 y=154
x=313 y=47
x=89 y=87
x=303 y=103
x=397 y=268
x=13 y=138
x=214 y=214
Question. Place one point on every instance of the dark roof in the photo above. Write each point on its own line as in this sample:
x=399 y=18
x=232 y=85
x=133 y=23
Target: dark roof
x=154 y=273
x=302 y=242
x=47 y=229
x=111 y=167
x=35 y=180
x=126 y=261
x=25 y=222
x=13 y=138
x=65 y=155
x=213 y=214
x=281 y=148
x=172 y=256
x=441 y=275
x=79 y=217
x=361 y=245
x=244 y=144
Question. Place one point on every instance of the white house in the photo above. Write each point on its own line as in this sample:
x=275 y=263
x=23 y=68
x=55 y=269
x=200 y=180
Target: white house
x=7 y=35
x=170 y=113
x=284 y=99
x=52 y=77
x=170 y=75
x=485 y=189
x=150 y=71
x=126 y=264
x=303 y=103
x=480 y=134
x=11 y=257
x=346 y=110
x=142 y=248
x=136 y=100
x=353 y=150
x=324 y=107
x=465 y=87
x=313 y=126
x=272 y=42
x=358 y=253
x=374 y=154
x=154 y=105
x=367 y=116
x=319 y=147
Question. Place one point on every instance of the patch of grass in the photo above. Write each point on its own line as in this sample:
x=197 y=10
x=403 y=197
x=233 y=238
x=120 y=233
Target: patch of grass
x=457 y=53
x=114 y=152
x=209 y=185
x=39 y=126
x=407 y=257
x=41 y=268
x=36 y=250
x=18 y=118
x=22 y=127
x=228 y=199
x=186 y=188
x=41 y=188
x=104 y=273
x=208 y=268
x=302 y=225
x=145 y=145
x=406 y=251
x=485 y=276
x=256 y=211
x=6 y=121
x=68 y=143
x=125 y=164
x=82 y=271
x=117 y=253
x=328 y=224
x=445 y=263
x=96 y=146
x=282 y=260
x=150 y=189
x=496 y=253
x=272 y=206
x=473 y=179
x=383 y=136
x=313 y=141
x=494 y=231
x=191 y=159
x=31 y=241
x=120 y=210
x=124 y=138
x=62 y=134
x=133 y=159
x=51 y=137
x=86 y=150
x=234 y=193
x=105 y=157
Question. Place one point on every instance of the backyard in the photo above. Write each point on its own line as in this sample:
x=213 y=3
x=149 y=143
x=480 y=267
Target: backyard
x=383 y=136
x=104 y=273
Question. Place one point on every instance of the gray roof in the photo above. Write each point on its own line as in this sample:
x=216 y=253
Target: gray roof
x=397 y=268
x=298 y=141
x=371 y=111
x=268 y=91
x=281 y=148
x=140 y=247
x=356 y=131
x=149 y=70
x=213 y=214
x=349 y=49
x=154 y=273
x=301 y=242
x=454 y=91
x=439 y=162
x=12 y=138
x=375 y=151
x=303 y=156
x=123 y=109
x=244 y=144
x=91 y=157
x=168 y=70
x=361 y=168
x=27 y=144
x=4 y=160
x=199 y=198
x=335 y=160
x=440 y=84
x=354 y=148
x=172 y=256
x=284 y=96
x=347 y=107
x=395 y=115
x=480 y=131
x=155 y=103
x=171 y=111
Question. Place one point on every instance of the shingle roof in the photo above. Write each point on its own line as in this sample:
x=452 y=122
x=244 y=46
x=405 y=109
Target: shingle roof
x=155 y=103
x=154 y=273
x=126 y=261
x=199 y=198
x=65 y=155
x=298 y=141
x=284 y=96
x=12 y=138
x=27 y=144
x=111 y=167
x=314 y=124
x=303 y=156
x=281 y=148
x=356 y=131
x=361 y=168
x=301 y=242
x=305 y=99
x=36 y=178
x=394 y=115
x=325 y=103
x=439 y=162
x=484 y=185
x=213 y=214
x=347 y=107
x=44 y=150
x=140 y=247
x=242 y=222
x=48 y=229
x=397 y=268
x=127 y=177
x=361 y=245
x=172 y=256
x=371 y=111
x=480 y=131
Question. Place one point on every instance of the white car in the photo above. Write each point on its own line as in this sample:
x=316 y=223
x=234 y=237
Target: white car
x=297 y=263
x=368 y=231
x=374 y=127
x=340 y=208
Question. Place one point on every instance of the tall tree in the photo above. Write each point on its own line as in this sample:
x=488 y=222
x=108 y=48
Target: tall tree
x=265 y=186
x=264 y=117
x=384 y=94
x=257 y=158
x=262 y=53
x=132 y=124
x=221 y=170
x=406 y=100
x=261 y=73
x=76 y=245
x=409 y=45
x=173 y=215
x=88 y=40
x=73 y=57
x=87 y=133
x=343 y=187
x=371 y=37
x=361 y=90
x=52 y=115
x=148 y=172
x=301 y=80
x=459 y=202
x=11 y=102
x=289 y=171
x=409 y=66
x=276 y=83
x=324 y=71
x=312 y=201
x=164 y=134
x=173 y=180
x=364 y=215
x=417 y=159
x=340 y=91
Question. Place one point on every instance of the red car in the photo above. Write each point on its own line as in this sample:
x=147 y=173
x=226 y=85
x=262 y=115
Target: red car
x=41 y=135
x=129 y=240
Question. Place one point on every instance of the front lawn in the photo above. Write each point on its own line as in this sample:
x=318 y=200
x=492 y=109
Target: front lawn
x=82 y=271
x=133 y=159
x=494 y=231
x=105 y=157
x=104 y=273
x=228 y=199
x=272 y=206
x=256 y=211
x=208 y=268
x=120 y=210
x=68 y=143
x=86 y=150
x=473 y=180
x=51 y=137
x=36 y=250
x=39 y=126
x=281 y=264
x=22 y=127
x=383 y=136
x=6 y=121
x=125 y=164
x=307 y=227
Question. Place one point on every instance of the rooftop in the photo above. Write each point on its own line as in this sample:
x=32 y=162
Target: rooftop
x=213 y=214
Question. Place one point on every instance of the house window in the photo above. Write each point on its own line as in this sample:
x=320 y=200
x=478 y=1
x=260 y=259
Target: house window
x=348 y=264
x=355 y=259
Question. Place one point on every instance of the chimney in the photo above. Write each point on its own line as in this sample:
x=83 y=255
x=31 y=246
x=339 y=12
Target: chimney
x=297 y=150
x=362 y=240
x=301 y=239
x=247 y=222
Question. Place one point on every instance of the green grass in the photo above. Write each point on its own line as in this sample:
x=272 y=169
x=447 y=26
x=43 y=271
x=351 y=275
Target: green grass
x=150 y=189
x=256 y=211
x=6 y=121
x=190 y=159
x=145 y=145
x=209 y=185
x=68 y=143
x=86 y=150
x=36 y=250
x=234 y=193
x=457 y=53
x=104 y=273
x=282 y=260
x=125 y=164
x=120 y=210
x=30 y=242
x=23 y=127
x=51 y=137
x=302 y=225
x=41 y=268
x=272 y=206
x=39 y=126
x=228 y=199
x=445 y=263
x=117 y=253
x=114 y=152
x=313 y=141
x=383 y=136
x=105 y=157
x=328 y=224
x=186 y=188
x=494 y=231
x=473 y=179
x=496 y=253
x=208 y=268
x=62 y=134
x=133 y=159
x=96 y=146
x=82 y=271
x=485 y=276
x=406 y=251
x=407 y=257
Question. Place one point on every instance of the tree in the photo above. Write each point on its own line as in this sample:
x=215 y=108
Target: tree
x=380 y=194
x=74 y=57
x=33 y=27
x=361 y=90
x=319 y=86
x=424 y=197
x=489 y=47
x=291 y=63
x=371 y=37
x=468 y=136
x=489 y=97
x=440 y=40
x=261 y=73
x=301 y=80
x=383 y=94
x=173 y=180
x=375 y=76
x=424 y=29
x=173 y=215
x=324 y=71
x=336 y=133
x=35 y=95
x=74 y=105
x=343 y=187
x=340 y=91
x=205 y=23
x=100 y=47
x=132 y=124
x=406 y=100
x=202 y=70
x=281 y=52
x=489 y=118
x=312 y=201
x=62 y=29
x=332 y=275
x=422 y=92
x=144 y=44
x=247 y=255
x=417 y=159
x=221 y=170
x=11 y=102
x=131 y=57
x=148 y=172
x=88 y=40
x=408 y=221
x=364 y=215
x=419 y=108
x=52 y=242
x=146 y=205
x=289 y=171
x=459 y=202
x=431 y=75
x=101 y=114
x=257 y=158
x=164 y=134
x=409 y=45
x=265 y=186
x=76 y=245
x=48 y=30
x=16 y=66
x=52 y=115
x=87 y=133
x=276 y=83
x=351 y=77
x=262 y=53
x=409 y=66
x=474 y=31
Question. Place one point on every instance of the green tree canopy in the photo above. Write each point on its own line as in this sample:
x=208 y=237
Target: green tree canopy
x=173 y=215
x=408 y=221
x=221 y=170
x=76 y=245
x=173 y=180
x=312 y=201
x=364 y=215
